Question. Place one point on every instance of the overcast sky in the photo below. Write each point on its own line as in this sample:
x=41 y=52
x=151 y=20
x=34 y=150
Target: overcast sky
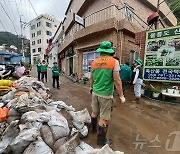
x=56 y=8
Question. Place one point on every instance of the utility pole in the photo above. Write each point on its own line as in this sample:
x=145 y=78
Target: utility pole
x=22 y=39
x=157 y=22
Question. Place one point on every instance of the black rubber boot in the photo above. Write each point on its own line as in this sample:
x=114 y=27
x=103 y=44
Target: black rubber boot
x=101 y=137
x=93 y=127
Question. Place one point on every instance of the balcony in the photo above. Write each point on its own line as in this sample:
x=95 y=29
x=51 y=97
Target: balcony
x=104 y=19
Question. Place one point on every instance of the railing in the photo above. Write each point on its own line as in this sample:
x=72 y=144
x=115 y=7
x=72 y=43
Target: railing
x=106 y=13
x=109 y=12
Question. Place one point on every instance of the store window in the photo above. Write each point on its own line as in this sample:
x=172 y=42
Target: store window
x=88 y=58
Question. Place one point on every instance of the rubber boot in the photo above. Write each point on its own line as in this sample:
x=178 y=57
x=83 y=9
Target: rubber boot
x=137 y=100
x=93 y=126
x=101 y=137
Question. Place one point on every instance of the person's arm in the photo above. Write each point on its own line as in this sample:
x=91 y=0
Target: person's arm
x=136 y=76
x=91 y=82
x=118 y=85
x=117 y=82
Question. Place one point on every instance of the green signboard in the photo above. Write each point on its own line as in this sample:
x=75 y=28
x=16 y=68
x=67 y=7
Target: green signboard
x=162 y=55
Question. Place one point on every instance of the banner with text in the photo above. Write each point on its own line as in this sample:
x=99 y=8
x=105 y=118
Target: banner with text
x=162 y=55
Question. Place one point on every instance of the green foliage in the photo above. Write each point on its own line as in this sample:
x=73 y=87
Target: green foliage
x=173 y=4
x=152 y=89
x=10 y=39
x=26 y=65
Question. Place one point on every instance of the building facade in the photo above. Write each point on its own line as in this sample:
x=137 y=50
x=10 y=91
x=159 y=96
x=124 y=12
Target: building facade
x=113 y=20
x=42 y=29
x=53 y=48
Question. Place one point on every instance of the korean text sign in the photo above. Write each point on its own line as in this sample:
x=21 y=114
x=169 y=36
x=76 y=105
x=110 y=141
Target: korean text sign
x=162 y=55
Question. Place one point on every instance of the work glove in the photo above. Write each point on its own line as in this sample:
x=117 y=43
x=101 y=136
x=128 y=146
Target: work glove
x=134 y=81
x=122 y=98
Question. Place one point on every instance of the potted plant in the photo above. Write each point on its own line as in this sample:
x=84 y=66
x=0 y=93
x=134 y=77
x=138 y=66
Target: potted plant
x=156 y=92
x=148 y=91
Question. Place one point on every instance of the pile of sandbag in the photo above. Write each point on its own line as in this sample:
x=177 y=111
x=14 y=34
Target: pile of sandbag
x=38 y=125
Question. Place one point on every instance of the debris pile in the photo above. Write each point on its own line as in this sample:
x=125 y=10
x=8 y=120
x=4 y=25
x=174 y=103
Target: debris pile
x=38 y=125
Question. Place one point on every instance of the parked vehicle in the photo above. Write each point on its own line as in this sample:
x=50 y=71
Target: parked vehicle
x=6 y=71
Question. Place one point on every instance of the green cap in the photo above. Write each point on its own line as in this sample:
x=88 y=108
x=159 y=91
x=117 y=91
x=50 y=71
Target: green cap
x=139 y=61
x=105 y=46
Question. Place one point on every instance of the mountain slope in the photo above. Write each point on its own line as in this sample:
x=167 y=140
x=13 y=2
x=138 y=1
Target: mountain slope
x=10 y=39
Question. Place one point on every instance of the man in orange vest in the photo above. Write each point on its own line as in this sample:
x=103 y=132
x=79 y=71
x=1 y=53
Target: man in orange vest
x=104 y=75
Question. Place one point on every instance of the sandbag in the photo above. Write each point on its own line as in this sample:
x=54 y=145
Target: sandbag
x=8 y=136
x=58 y=124
x=24 y=138
x=8 y=83
x=38 y=147
x=13 y=115
x=79 y=120
x=59 y=143
x=47 y=135
x=69 y=146
x=104 y=150
x=3 y=113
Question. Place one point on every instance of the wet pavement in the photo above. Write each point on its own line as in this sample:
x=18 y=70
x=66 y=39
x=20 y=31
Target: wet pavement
x=134 y=128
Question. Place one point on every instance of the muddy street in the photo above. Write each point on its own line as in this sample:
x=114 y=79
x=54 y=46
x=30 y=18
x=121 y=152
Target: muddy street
x=134 y=128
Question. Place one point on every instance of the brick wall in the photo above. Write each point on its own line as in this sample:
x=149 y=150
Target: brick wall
x=140 y=39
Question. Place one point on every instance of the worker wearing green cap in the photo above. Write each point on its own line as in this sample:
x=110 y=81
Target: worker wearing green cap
x=104 y=74
x=138 y=79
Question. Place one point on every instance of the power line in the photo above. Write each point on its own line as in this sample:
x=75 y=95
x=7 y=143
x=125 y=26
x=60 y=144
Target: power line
x=36 y=13
x=9 y=18
x=13 y=15
x=171 y=12
x=17 y=6
x=5 y=22
x=2 y=25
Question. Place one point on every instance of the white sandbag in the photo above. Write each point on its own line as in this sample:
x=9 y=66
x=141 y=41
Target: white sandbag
x=83 y=148
x=22 y=103
x=12 y=103
x=8 y=136
x=30 y=116
x=81 y=116
x=58 y=125
x=1 y=104
x=62 y=105
x=24 y=138
x=79 y=120
x=38 y=147
x=9 y=95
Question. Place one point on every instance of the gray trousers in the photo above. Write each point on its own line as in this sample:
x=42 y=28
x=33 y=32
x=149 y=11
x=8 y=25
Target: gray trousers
x=137 y=87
